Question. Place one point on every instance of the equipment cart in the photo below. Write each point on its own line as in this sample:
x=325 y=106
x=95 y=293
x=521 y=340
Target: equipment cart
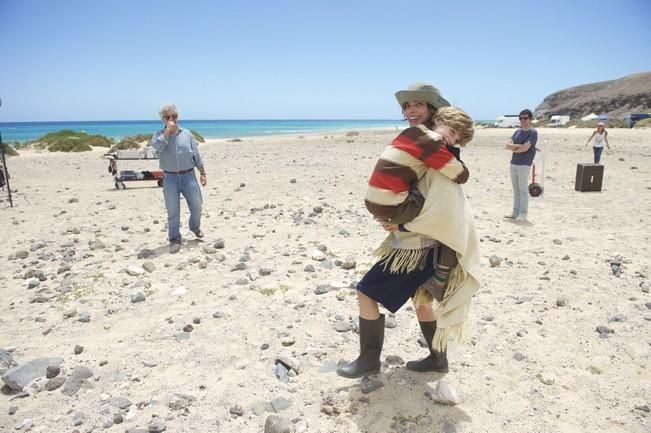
x=120 y=177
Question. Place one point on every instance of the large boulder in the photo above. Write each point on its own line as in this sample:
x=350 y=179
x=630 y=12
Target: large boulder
x=20 y=376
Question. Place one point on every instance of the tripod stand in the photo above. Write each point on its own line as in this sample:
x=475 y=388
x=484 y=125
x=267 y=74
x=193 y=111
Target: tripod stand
x=4 y=170
x=5 y=173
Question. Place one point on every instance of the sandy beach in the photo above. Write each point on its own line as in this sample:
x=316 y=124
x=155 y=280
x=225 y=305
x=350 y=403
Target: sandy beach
x=189 y=342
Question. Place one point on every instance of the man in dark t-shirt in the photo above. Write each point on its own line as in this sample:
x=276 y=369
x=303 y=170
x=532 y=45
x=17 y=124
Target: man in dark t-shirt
x=523 y=145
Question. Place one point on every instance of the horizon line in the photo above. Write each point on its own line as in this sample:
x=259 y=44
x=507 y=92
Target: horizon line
x=196 y=120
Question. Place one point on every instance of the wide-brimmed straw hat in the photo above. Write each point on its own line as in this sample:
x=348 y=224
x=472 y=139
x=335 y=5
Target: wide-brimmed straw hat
x=423 y=92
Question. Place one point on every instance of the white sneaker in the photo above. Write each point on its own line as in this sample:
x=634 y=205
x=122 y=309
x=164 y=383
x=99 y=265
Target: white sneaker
x=521 y=219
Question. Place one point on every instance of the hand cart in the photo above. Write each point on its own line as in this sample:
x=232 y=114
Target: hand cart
x=537 y=185
x=120 y=177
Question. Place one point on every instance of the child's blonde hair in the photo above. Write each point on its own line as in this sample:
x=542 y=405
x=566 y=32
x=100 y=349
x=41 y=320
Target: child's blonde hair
x=458 y=120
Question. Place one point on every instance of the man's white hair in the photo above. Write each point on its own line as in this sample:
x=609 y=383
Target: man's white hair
x=168 y=109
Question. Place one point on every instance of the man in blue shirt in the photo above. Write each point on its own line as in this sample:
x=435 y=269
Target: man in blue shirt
x=523 y=145
x=178 y=155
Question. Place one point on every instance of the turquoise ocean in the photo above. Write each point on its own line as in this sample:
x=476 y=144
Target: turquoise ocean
x=117 y=129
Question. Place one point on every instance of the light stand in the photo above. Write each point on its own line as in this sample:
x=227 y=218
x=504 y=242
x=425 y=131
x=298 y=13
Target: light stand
x=4 y=167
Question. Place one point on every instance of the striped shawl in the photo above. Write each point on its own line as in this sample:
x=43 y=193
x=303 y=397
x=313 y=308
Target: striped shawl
x=404 y=162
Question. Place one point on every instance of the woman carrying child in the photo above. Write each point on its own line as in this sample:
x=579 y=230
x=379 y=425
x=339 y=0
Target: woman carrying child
x=432 y=248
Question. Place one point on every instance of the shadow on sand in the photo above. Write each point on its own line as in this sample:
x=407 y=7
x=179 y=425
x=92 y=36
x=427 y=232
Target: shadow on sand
x=402 y=406
x=187 y=245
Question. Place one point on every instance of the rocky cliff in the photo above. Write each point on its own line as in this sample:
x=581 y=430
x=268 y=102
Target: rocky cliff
x=617 y=98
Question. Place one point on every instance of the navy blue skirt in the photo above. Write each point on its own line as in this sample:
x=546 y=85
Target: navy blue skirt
x=393 y=290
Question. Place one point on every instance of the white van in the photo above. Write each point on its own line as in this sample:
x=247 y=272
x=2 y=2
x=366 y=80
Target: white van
x=558 y=120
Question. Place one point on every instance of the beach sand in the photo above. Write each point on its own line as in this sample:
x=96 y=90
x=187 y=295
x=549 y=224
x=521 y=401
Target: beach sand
x=560 y=339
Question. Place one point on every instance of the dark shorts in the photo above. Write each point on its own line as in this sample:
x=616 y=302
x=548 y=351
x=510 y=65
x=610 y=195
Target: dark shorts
x=393 y=290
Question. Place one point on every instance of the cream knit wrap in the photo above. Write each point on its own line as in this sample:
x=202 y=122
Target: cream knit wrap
x=446 y=217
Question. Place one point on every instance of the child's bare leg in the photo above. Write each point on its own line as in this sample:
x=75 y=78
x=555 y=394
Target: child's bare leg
x=368 y=308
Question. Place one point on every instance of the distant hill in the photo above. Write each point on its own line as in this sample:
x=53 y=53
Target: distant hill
x=617 y=98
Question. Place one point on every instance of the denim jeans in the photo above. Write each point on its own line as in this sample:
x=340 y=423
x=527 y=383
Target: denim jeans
x=173 y=186
x=597 y=154
x=520 y=181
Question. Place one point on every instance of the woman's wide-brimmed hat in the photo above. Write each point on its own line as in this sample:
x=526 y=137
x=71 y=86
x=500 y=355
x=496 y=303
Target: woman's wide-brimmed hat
x=423 y=92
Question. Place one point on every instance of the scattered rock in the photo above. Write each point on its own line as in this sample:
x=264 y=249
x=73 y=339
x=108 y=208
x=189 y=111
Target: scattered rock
x=137 y=297
x=144 y=253
x=276 y=424
x=318 y=255
x=280 y=403
x=52 y=371
x=390 y=322
x=135 y=271
x=54 y=383
x=157 y=426
x=236 y=410
x=6 y=361
x=76 y=379
x=562 y=301
x=443 y=393
x=96 y=245
x=78 y=418
x=289 y=361
x=370 y=384
x=120 y=402
x=180 y=401
x=394 y=360
x=322 y=289
x=21 y=254
x=604 y=331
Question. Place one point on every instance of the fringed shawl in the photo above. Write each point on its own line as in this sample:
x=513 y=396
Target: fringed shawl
x=447 y=218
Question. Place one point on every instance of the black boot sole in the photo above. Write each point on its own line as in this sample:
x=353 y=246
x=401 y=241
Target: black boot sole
x=428 y=370
x=357 y=375
x=425 y=369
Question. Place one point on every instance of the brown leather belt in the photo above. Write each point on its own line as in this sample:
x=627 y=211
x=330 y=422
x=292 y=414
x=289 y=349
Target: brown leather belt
x=179 y=172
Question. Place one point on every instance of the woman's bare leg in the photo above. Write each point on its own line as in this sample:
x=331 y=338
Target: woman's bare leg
x=368 y=308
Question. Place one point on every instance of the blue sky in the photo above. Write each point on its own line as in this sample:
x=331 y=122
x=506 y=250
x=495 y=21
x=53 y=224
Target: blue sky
x=114 y=60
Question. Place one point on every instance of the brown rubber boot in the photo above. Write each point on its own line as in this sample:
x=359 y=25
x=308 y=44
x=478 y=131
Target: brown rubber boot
x=436 y=361
x=371 y=339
